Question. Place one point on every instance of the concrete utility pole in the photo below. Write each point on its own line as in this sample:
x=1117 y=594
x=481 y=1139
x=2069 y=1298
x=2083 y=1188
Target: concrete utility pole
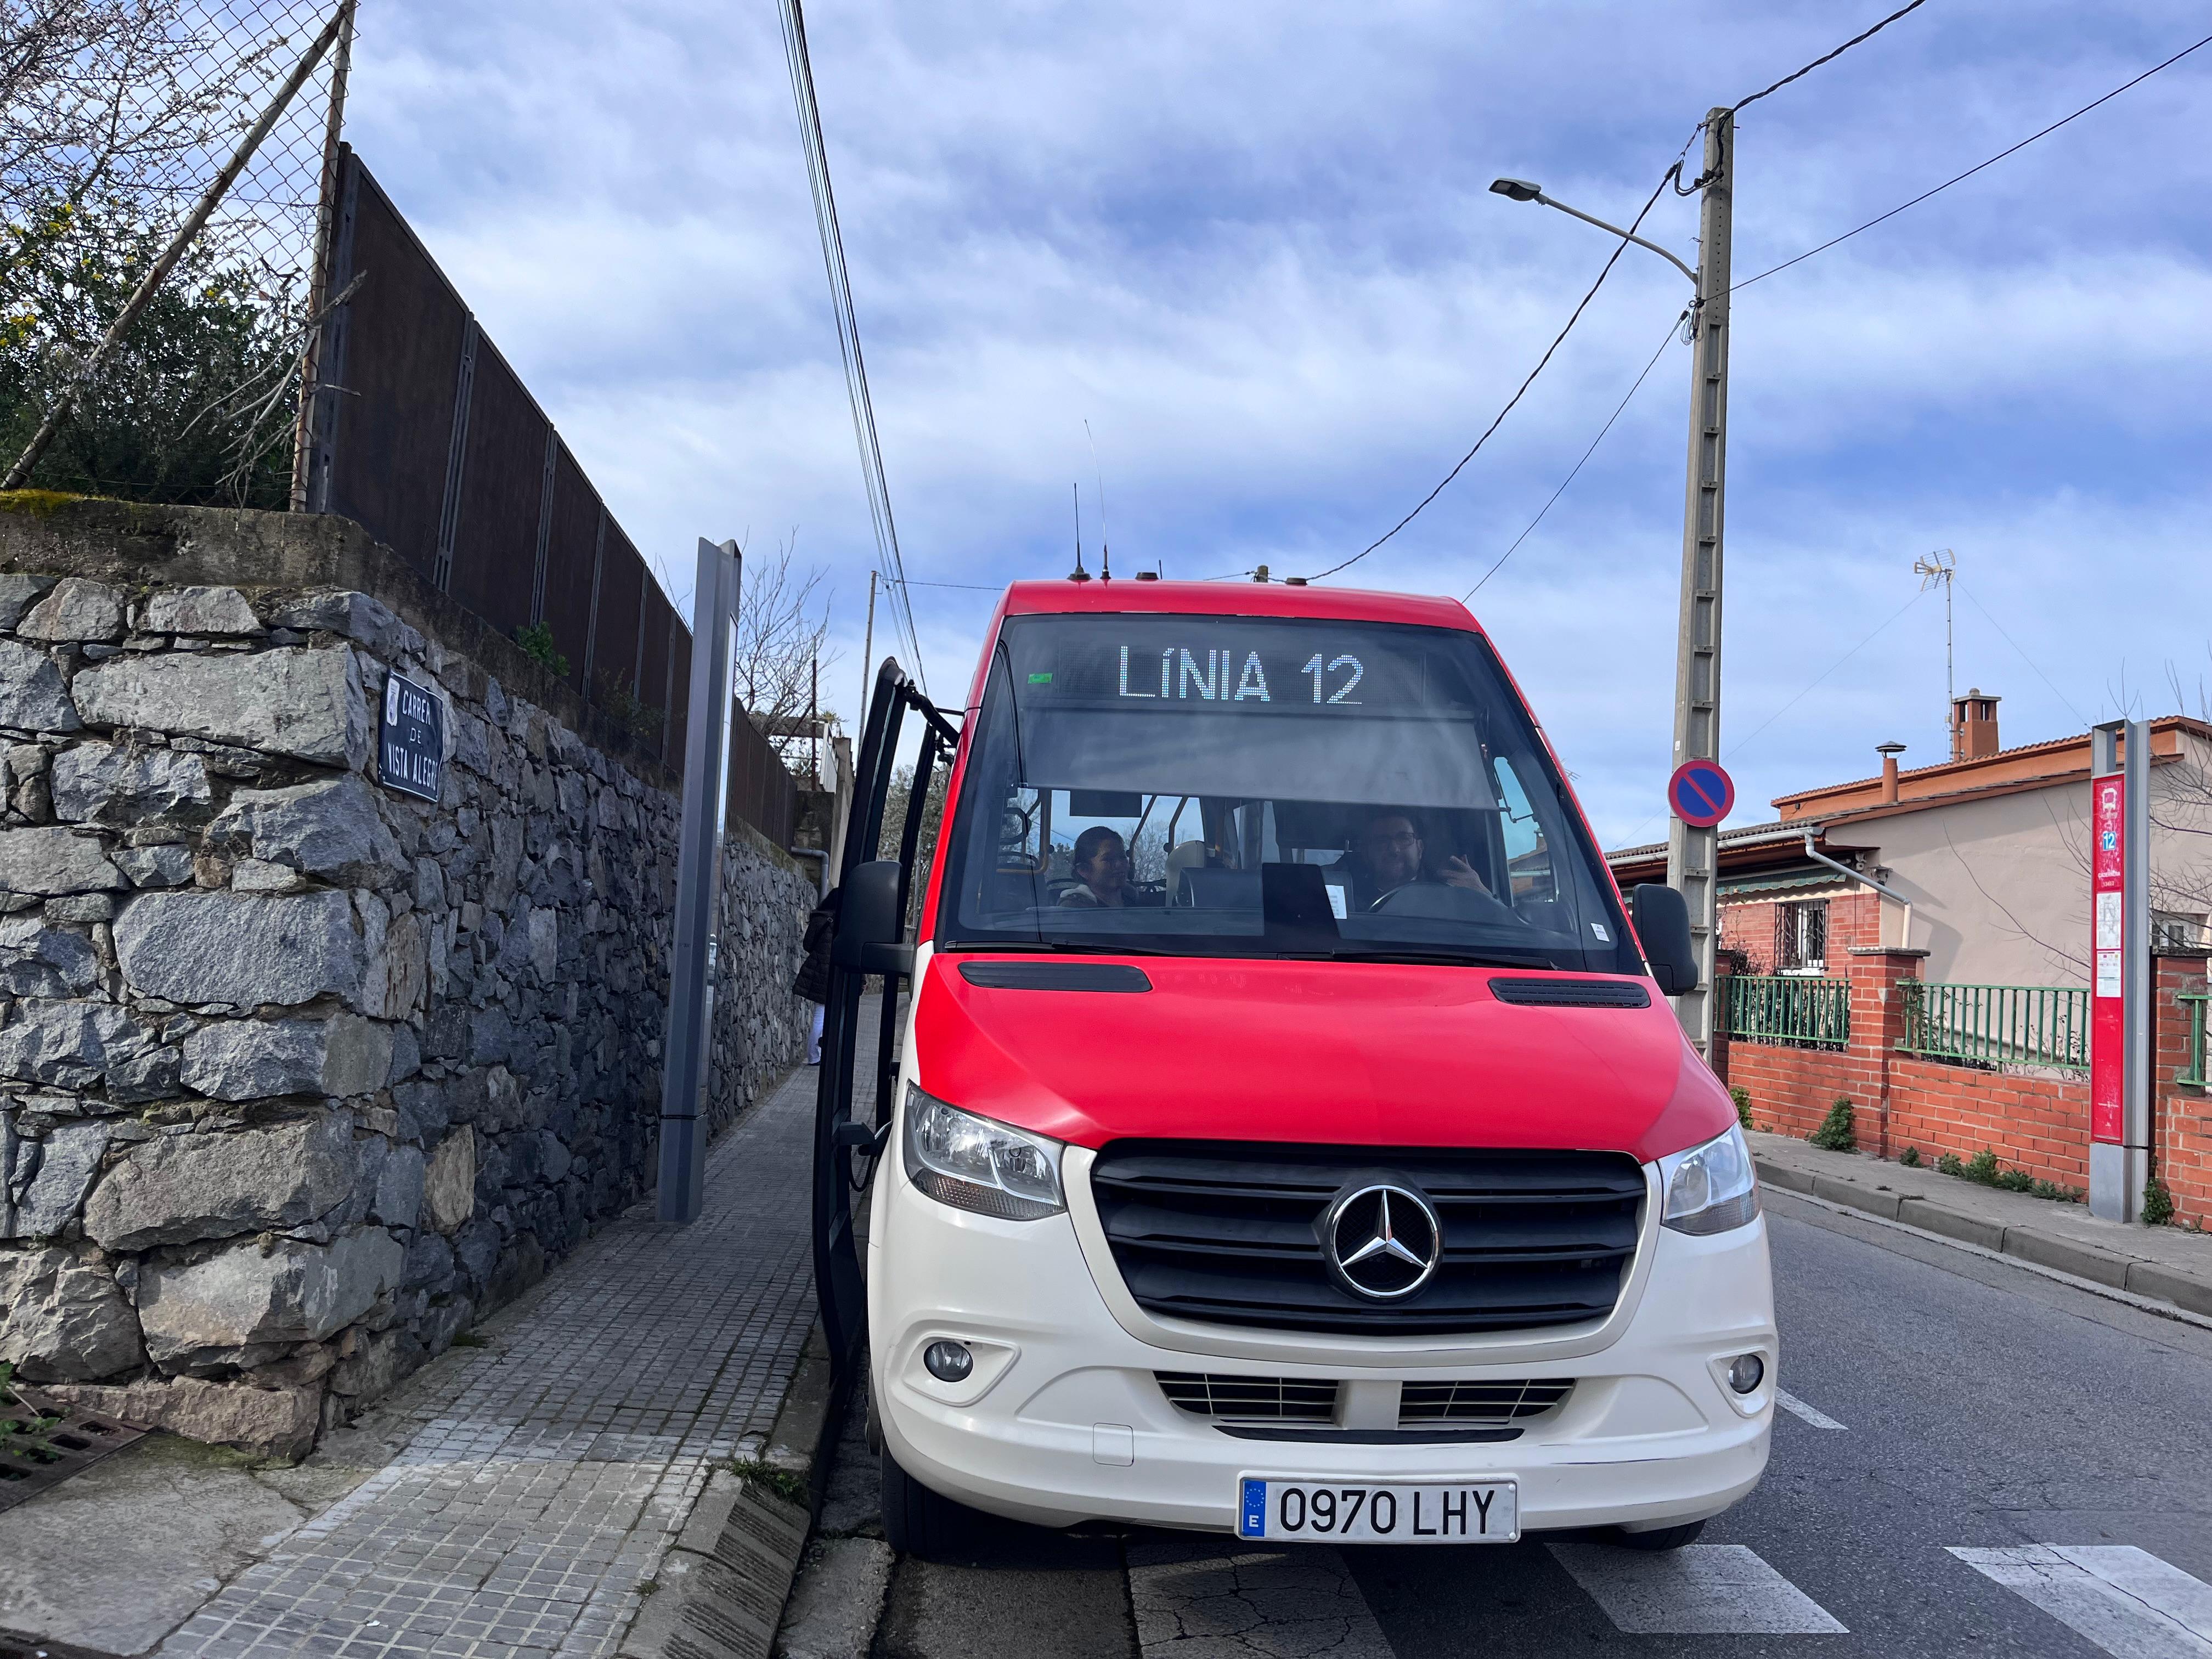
x=1693 y=854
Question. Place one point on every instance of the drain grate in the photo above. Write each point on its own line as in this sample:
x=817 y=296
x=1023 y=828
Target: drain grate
x=29 y=1463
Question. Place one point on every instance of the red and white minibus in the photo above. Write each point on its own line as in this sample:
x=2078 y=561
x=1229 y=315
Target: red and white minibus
x=1291 y=1138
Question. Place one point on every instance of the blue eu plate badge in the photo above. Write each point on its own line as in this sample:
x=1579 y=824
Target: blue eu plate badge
x=1252 y=1517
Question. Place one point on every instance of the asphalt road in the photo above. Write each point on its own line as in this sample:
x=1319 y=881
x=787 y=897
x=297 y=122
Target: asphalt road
x=1984 y=1423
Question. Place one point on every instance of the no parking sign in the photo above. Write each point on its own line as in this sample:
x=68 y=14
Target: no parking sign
x=1700 y=793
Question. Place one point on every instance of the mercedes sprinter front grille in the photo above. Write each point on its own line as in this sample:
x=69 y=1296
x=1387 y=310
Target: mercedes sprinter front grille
x=1423 y=1403
x=1230 y=1233
x=1250 y=1399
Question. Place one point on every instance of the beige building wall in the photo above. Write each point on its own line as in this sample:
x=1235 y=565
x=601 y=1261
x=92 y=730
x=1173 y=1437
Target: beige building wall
x=1999 y=888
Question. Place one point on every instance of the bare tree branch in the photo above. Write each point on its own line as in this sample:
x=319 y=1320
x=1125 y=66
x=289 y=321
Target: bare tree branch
x=783 y=619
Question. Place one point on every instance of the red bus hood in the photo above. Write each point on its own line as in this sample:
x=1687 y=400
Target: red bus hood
x=1355 y=1053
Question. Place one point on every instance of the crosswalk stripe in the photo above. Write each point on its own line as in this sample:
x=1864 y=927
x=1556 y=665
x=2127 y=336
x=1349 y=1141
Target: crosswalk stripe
x=1219 y=1596
x=2127 y=1600
x=1705 y=1589
x=1796 y=1407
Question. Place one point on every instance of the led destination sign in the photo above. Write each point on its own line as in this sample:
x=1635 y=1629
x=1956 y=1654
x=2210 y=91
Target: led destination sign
x=1182 y=677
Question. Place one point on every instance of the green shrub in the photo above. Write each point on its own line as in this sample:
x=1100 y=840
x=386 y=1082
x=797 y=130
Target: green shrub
x=1835 y=1133
x=1741 y=1096
x=2050 y=1189
x=30 y=1430
x=1983 y=1167
x=1910 y=1157
x=2016 y=1181
x=2157 y=1203
x=1948 y=1164
x=536 y=642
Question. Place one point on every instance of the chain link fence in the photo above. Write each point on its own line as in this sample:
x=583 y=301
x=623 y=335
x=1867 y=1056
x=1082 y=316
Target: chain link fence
x=116 y=119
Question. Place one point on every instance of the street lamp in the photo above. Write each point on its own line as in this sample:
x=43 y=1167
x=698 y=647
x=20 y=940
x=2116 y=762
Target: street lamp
x=1692 y=853
x=1520 y=190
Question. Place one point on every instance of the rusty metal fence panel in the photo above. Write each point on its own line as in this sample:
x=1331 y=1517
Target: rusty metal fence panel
x=424 y=434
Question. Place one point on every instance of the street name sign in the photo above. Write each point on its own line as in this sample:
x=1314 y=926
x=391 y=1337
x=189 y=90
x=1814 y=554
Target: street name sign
x=410 y=748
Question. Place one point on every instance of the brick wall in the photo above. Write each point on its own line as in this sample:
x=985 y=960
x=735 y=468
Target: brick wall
x=1747 y=926
x=2037 y=1122
x=2181 y=1114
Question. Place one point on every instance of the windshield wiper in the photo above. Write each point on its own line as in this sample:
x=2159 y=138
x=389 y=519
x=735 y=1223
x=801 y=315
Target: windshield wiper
x=1051 y=948
x=1449 y=958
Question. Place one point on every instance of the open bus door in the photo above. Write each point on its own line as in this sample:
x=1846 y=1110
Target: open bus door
x=877 y=887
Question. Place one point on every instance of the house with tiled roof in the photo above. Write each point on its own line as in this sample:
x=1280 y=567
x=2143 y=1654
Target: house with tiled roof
x=1981 y=860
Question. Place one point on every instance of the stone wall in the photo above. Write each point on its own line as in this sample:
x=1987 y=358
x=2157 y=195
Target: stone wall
x=299 y=1076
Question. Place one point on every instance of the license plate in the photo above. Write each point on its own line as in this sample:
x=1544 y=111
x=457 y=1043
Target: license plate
x=1353 y=1512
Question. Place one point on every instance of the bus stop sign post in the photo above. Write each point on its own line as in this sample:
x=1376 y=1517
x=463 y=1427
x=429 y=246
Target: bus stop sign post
x=686 y=1066
x=2119 y=987
x=1700 y=793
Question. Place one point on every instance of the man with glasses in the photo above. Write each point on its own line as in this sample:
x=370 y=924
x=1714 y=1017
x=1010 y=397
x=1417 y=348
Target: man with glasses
x=1387 y=853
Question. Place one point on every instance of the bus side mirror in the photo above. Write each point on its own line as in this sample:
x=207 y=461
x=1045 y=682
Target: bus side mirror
x=1662 y=924
x=870 y=931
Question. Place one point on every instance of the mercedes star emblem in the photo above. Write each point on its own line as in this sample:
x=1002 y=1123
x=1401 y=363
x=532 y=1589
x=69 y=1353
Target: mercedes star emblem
x=1382 y=1241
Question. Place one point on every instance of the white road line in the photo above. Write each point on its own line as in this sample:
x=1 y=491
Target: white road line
x=1222 y=1598
x=2127 y=1600
x=1706 y=1589
x=1796 y=1407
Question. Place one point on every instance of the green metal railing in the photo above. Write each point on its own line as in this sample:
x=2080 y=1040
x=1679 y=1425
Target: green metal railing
x=2192 y=1071
x=1997 y=1024
x=1789 y=1009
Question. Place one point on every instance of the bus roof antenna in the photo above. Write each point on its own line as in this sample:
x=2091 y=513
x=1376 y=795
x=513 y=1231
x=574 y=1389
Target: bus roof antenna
x=1105 y=556
x=1079 y=574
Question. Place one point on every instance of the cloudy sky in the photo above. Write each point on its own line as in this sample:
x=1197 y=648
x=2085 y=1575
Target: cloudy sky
x=1253 y=246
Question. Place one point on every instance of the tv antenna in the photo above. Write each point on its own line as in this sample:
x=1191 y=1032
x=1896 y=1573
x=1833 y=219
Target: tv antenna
x=1939 y=568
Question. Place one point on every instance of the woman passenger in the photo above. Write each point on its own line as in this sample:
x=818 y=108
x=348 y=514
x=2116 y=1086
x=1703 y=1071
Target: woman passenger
x=1101 y=865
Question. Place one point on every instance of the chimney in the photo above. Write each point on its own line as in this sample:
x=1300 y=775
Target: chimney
x=1973 y=725
x=1889 y=752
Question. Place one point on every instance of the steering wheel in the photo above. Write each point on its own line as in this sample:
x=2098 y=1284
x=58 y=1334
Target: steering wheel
x=1014 y=825
x=1441 y=901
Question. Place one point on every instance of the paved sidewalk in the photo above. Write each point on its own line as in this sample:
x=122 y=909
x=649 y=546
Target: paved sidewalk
x=2165 y=1264
x=520 y=1497
x=521 y=1519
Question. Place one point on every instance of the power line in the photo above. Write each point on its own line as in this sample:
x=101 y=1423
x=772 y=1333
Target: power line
x=2024 y=656
x=1587 y=454
x=1522 y=391
x=1856 y=39
x=848 y=330
x=1737 y=749
x=1978 y=167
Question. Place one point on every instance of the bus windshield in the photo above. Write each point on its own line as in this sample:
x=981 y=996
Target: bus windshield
x=1233 y=785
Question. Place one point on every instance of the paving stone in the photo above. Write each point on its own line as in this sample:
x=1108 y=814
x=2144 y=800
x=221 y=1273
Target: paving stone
x=543 y=1481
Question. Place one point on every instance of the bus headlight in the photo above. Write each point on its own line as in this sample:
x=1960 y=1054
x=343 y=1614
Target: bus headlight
x=1710 y=1188
x=974 y=1163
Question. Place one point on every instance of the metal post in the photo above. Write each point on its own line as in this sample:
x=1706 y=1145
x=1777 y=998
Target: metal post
x=2119 y=1083
x=2135 y=1014
x=1693 y=854
x=688 y=1065
x=327 y=213
x=868 y=649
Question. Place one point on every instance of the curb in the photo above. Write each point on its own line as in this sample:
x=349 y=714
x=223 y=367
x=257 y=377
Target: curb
x=722 y=1586
x=2148 y=1280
